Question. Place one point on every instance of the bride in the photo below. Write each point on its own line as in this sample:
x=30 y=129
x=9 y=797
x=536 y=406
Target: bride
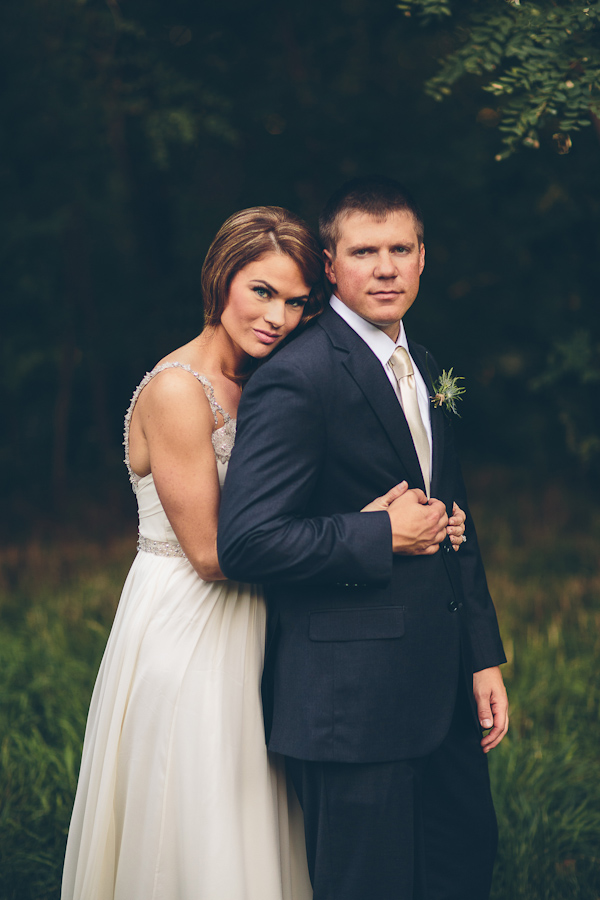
x=177 y=797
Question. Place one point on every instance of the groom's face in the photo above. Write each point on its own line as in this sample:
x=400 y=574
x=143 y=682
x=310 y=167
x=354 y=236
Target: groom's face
x=376 y=267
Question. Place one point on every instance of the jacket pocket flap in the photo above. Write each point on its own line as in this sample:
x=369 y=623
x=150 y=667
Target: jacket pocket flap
x=371 y=624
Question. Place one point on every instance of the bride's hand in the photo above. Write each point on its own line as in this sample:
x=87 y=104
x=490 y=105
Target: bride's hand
x=382 y=503
x=456 y=526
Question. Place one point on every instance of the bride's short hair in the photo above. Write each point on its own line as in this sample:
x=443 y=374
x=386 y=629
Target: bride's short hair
x=245 y=237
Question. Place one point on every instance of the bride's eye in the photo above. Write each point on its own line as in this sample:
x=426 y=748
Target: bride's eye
x=261 y=292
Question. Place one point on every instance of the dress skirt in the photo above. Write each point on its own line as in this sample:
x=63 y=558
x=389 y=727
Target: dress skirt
x=177 y=797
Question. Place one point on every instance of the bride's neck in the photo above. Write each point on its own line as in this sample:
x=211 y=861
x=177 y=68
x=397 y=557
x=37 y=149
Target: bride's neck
x=220 y=353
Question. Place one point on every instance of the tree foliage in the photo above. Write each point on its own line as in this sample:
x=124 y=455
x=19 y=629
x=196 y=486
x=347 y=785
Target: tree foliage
x=539 y=60
x=84 y=89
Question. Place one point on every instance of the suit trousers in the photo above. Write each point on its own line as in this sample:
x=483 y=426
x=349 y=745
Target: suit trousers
x=416 y=829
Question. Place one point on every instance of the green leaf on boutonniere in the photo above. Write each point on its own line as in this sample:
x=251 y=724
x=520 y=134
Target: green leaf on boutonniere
x=447 y=391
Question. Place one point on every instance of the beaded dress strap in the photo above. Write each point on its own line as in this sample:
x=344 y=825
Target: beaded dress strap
x=208 y=390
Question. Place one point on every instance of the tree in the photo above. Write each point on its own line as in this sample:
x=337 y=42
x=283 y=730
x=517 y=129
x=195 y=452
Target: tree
x=84 y=87
x=539 y=59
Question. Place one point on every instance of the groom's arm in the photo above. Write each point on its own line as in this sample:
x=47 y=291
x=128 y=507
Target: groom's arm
x=480 y=615
x=482 y=624
x=486 y=644
x=487 y=651
x=265 y=532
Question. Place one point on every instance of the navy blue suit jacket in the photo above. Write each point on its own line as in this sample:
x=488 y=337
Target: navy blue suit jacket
x=364 y=646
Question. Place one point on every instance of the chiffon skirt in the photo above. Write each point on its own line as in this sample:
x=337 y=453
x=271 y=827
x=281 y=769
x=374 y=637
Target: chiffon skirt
x=177 y=797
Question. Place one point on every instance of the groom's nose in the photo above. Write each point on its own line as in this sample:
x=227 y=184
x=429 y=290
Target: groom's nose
x=385 y=267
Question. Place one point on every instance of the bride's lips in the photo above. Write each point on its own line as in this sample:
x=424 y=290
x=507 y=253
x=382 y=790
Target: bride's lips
x=266 y=337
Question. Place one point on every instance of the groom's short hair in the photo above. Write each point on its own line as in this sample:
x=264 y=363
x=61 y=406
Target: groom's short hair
x=375 y=196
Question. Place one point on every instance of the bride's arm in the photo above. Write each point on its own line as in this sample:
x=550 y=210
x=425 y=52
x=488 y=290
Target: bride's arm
x=177 y=423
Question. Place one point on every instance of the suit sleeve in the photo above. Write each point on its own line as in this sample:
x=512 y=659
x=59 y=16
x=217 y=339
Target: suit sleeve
x=266 y=533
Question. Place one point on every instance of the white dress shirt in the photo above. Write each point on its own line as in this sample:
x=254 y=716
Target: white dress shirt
x=383 y=347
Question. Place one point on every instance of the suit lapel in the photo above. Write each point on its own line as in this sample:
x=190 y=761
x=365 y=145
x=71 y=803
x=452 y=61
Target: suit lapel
x=366 y=370
x=419 y=354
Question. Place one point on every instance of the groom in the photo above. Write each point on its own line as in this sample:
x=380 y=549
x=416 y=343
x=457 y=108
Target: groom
x=382 y=663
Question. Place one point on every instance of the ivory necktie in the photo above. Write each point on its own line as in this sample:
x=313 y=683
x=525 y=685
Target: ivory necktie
x=402 y=368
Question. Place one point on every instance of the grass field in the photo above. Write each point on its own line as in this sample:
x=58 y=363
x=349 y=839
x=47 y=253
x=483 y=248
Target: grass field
x=57 y=602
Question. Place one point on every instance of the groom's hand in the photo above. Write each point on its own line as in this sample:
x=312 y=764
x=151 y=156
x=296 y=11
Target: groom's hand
x=418 y=524
x=492 y=705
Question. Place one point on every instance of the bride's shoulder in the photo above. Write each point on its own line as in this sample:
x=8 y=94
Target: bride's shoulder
x=174 y=387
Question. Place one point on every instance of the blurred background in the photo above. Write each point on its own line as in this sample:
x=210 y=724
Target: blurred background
x=130 y=131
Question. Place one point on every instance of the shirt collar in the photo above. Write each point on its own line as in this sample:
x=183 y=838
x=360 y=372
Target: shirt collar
x=377 y=341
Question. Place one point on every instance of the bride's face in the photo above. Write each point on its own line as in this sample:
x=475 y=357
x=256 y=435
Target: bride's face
x=265 y=303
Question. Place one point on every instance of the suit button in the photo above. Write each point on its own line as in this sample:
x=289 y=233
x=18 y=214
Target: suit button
x=447 y=546
x=453 y=606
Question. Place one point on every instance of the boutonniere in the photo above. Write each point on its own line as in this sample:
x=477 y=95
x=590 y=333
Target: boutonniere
x=447 y=391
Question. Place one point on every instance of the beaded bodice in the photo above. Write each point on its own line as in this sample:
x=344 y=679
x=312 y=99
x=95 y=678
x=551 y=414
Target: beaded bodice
x=155 y=532
x=222 y=438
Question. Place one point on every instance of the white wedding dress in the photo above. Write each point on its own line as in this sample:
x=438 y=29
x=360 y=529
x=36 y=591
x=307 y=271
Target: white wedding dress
x=177 y=797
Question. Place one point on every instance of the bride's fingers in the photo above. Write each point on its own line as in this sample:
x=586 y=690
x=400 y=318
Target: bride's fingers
x=458 y=516
x=458 y=530
x=456 y=527
x=382 y=503
x=395 y=492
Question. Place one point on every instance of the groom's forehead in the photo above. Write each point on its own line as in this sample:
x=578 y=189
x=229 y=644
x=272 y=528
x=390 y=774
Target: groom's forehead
x=355 y=225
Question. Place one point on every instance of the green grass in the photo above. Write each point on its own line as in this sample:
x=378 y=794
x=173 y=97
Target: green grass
x=57 y=603
x=543 y=566
x=56 y=607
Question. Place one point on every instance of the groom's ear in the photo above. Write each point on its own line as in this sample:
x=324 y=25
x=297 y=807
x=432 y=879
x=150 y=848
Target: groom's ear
x=328 y=259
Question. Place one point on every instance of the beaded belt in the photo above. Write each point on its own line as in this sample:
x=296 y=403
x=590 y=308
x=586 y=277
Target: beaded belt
x=160 y=548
